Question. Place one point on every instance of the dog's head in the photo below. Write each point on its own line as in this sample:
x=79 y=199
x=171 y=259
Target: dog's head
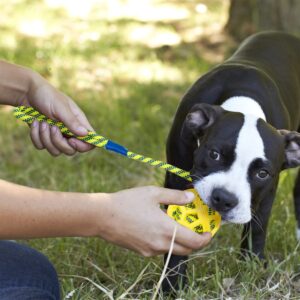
x=238 y=158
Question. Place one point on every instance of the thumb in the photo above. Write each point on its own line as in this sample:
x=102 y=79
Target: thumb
x=168 y=196
x=71 y=120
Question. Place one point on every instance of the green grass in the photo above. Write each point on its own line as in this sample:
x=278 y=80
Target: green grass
x=130 y=92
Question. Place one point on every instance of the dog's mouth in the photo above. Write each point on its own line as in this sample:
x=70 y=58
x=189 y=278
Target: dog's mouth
x=225 y=217
x=231 y=216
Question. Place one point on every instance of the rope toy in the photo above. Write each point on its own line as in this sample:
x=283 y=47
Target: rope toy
x=29 y=115
x=195 y=215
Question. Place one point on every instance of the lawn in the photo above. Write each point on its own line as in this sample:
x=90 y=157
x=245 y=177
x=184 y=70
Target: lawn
x=127 y=64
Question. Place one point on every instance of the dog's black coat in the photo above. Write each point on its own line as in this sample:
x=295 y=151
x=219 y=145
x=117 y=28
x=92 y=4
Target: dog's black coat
x=266 y=67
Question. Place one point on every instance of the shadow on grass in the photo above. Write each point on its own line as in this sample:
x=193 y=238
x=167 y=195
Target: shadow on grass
x=130 y=92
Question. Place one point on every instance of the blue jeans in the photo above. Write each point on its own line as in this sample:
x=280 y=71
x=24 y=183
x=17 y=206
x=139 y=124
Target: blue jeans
x=26 y=274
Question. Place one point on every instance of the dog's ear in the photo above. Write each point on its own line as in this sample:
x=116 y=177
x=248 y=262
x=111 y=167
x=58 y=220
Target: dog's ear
x=292 y=148
x=199 y=118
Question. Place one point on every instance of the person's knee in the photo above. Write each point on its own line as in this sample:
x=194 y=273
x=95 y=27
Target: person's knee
x=23 y=269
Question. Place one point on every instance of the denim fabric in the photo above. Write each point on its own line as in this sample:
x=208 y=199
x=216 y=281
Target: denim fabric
x=26 y=274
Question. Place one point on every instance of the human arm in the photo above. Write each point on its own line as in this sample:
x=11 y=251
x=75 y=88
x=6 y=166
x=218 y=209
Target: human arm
x=22 y=86
x=130 y=218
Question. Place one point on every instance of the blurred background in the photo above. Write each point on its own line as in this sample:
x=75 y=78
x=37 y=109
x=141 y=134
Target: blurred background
x=128 y=63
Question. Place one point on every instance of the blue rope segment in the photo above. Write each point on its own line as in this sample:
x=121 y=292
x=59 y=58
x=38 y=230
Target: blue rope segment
x=114 y=147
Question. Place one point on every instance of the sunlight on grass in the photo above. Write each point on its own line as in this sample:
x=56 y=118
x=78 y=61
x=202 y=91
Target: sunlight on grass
x=71 y=30
x=128 y=63
x=34 y=28
x=205 y=20
x=141 y=10
x=147 y=72
x=75 y=8
x=152 y=37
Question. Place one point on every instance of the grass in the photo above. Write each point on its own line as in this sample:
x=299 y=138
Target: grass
x=128 y=69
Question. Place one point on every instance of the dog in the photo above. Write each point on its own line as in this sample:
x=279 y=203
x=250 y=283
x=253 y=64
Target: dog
x=236 y=129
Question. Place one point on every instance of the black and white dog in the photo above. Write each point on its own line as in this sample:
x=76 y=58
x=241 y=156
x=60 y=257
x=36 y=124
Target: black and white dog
x=235 y=129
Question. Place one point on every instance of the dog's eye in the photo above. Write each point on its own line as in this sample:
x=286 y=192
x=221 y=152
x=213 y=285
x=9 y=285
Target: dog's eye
x=262 y=174
x=213 y=154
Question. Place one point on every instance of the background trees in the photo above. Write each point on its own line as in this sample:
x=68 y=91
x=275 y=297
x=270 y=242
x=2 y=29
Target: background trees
x=249 y=16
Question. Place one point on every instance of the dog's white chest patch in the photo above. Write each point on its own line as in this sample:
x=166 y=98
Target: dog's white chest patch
x=235 y=180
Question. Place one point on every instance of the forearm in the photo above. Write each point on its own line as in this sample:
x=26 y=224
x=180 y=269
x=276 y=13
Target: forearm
x=15 y=82
x=32 y=213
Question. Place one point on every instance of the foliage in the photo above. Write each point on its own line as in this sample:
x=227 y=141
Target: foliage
x=128 y=68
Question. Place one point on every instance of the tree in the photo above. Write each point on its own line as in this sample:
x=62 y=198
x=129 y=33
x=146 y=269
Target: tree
x=249 y=16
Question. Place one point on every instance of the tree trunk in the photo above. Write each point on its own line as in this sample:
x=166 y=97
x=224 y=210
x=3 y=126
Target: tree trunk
x=247 y=17
x=241 y=22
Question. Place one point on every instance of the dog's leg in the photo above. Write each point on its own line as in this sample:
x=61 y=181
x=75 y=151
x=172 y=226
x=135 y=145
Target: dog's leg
x=176 y=269
x=176 y=276
x=254 y=233
x=297 y=204
x=179 y=155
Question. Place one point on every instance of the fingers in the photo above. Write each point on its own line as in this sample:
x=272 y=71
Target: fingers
x=50 y=138
x=60 y=142
x=79 y=145
x=156 y=250
x=46 y=139
x=185 y=242
x=185 y=236
x=69 y=119
x=80 y=115
x=54 y=104
x=181 y=246
x=180 y=250
x=35 y=135
x=191 y=239
x=168 y=196
x=72 y=116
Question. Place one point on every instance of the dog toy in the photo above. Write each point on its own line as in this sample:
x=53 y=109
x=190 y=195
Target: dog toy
x=29 y=115
x=196 y=215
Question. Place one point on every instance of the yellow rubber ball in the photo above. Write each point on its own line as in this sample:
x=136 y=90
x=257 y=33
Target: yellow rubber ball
x=197 y=216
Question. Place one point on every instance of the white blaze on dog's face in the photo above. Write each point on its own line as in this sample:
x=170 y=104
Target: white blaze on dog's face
x=234 y=164
x=249 y=147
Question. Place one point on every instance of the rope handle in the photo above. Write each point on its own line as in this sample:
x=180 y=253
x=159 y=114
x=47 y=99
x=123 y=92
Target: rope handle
x=29 y=115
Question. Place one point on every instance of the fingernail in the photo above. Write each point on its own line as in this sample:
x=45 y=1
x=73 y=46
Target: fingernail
x=82 y=130
x=35 y=123
x=190 y=196
x=44 y=126
x=208 y=235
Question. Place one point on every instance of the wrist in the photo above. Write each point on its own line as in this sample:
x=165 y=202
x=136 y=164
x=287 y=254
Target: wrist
x=35 y=81
x=31 y=81
x=15 y=82
x=100 y=214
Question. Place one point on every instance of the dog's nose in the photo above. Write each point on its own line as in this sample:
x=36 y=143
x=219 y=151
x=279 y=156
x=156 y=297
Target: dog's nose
x=222 y=200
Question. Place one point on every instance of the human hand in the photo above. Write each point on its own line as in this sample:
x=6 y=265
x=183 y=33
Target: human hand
x=55 y=105
x=133 y=219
